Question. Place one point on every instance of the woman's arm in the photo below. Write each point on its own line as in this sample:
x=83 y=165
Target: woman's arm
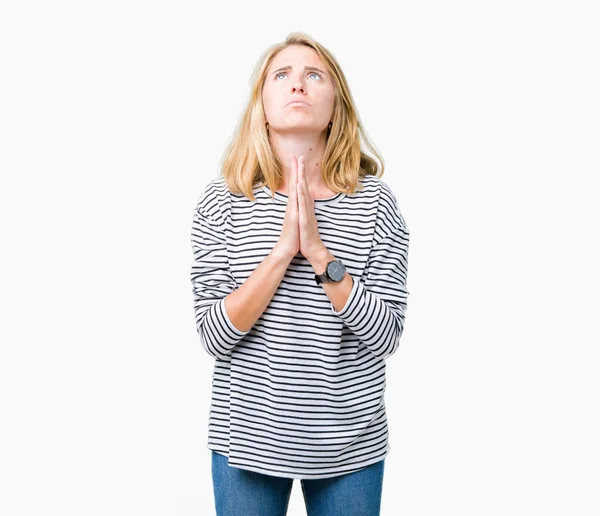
x=224 y=312
x=375 y=309
x=247 y=303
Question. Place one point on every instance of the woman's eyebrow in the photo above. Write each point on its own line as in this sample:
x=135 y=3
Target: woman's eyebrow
x=288 y=67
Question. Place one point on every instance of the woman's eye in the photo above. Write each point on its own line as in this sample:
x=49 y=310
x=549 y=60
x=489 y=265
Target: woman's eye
x=311 y=73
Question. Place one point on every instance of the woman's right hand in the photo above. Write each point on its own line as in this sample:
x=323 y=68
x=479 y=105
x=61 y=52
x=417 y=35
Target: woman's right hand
x=288 y=244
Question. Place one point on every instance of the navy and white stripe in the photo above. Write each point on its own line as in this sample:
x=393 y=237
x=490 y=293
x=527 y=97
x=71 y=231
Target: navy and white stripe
x=300 y=394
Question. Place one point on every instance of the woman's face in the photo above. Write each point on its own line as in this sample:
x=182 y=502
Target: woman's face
x=287 y=80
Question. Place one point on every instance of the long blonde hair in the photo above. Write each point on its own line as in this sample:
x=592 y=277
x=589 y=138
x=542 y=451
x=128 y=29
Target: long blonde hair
x=249 y=159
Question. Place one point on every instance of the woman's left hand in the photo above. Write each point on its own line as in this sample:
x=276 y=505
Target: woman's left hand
x=310 y=239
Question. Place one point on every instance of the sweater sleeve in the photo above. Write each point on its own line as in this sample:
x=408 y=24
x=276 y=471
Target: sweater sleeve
x=212 y=281
x=375 y=309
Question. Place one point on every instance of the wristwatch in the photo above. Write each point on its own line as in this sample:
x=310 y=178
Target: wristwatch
x=334 y=272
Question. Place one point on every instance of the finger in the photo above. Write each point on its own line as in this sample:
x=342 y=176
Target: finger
x=301 y=173
x=300 y=185
x=300 y=198
x=300 y=179
x=304 y=185
x=301 y=168
x=293 y=183
x=304 y=182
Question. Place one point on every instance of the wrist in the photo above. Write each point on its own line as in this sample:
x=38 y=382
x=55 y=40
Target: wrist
x=280 y=256
x=319 y=259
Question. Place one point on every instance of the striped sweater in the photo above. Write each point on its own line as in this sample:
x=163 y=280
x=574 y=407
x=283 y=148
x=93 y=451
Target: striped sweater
x=300 y=394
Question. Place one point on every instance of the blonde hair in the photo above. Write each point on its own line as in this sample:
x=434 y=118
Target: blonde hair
x=249 y=159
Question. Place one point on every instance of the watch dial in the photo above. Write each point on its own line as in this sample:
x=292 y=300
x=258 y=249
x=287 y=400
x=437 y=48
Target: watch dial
x=336 y=270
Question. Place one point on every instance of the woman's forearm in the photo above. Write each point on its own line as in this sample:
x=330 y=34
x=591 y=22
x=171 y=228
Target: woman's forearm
x=247 y=303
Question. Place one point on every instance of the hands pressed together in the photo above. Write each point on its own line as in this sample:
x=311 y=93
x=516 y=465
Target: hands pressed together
x=300 y=231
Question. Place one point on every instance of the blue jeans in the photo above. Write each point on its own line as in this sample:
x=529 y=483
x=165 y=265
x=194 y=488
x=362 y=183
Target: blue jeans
x=239 y=492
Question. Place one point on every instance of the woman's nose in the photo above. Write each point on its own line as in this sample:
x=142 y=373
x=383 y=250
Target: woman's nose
x=297 y=85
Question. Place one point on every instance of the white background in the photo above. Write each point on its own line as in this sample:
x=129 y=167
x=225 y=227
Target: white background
x=114 y=115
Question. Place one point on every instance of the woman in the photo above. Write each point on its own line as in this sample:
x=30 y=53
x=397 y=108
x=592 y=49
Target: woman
x=299 y=284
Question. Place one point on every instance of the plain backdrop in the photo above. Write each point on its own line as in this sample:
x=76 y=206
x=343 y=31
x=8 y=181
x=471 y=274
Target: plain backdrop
x=114 y=116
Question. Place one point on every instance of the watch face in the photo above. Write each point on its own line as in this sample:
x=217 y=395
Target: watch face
x=336 y=270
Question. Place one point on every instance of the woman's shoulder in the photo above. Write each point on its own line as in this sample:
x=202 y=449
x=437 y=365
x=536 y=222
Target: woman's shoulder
x=375 y=187
x=214 y=199
x=389 y=212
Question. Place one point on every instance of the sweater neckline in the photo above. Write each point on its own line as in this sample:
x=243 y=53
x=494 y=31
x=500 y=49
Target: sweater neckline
x=283 y=198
